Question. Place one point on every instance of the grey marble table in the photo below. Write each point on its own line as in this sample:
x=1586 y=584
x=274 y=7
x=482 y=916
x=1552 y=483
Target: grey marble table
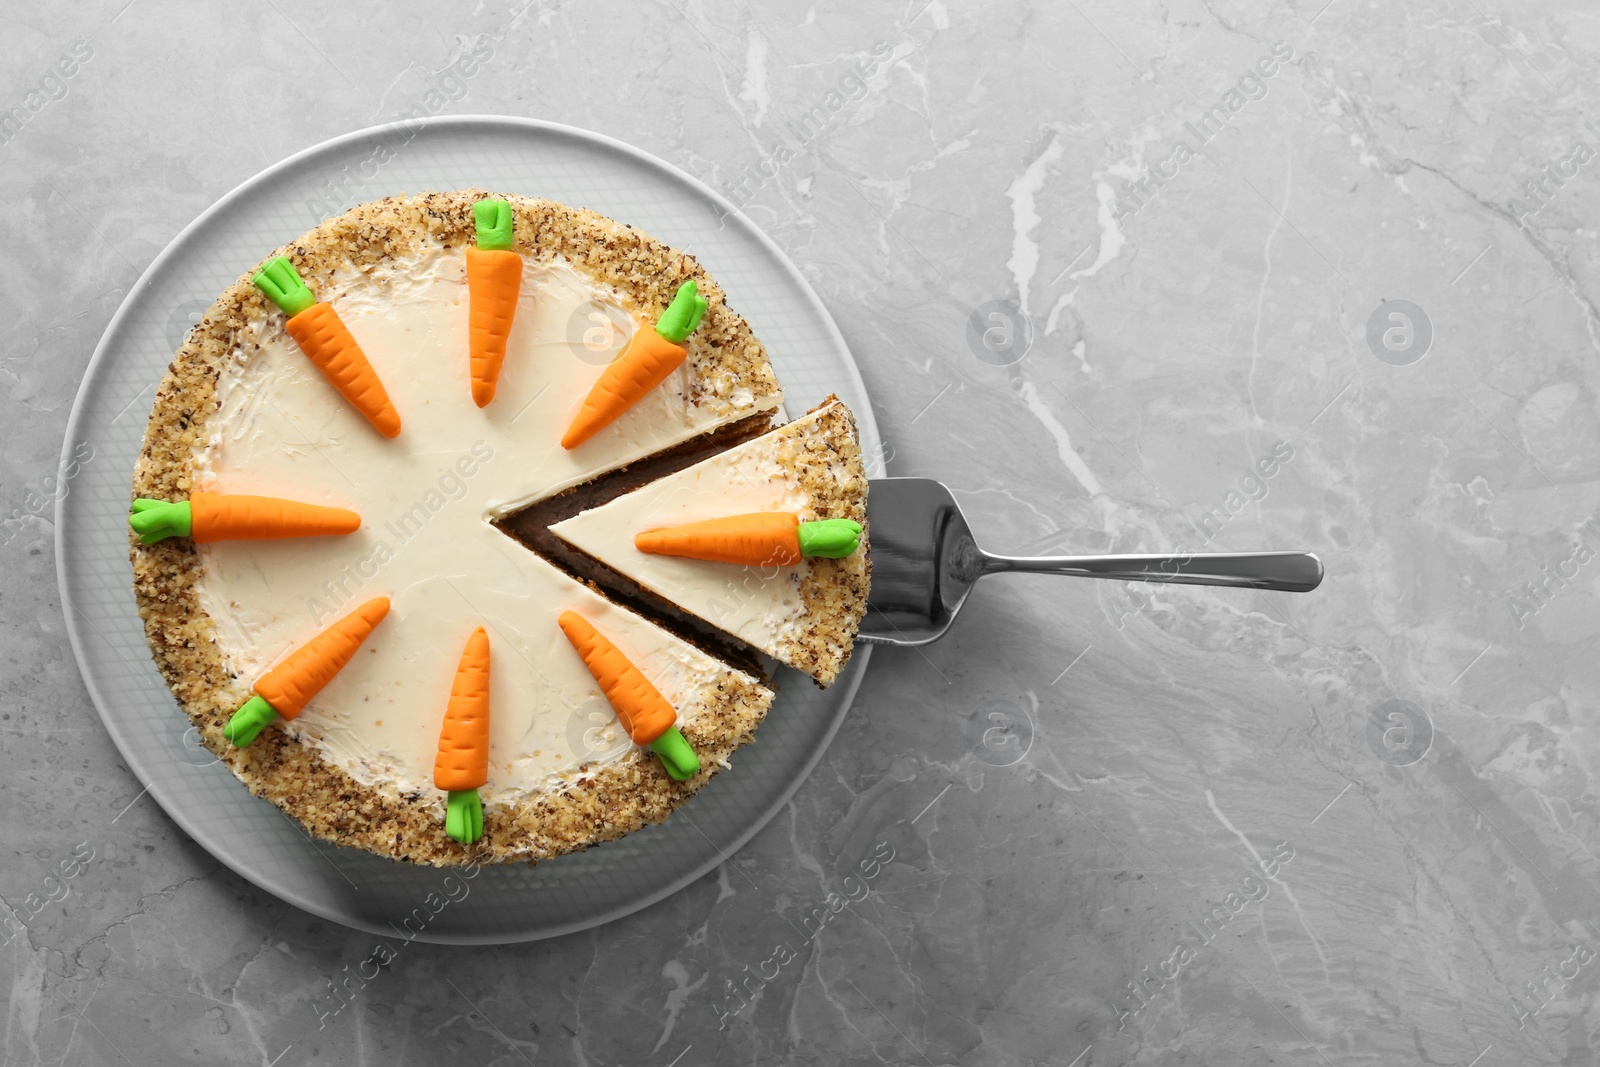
x=1128 y=276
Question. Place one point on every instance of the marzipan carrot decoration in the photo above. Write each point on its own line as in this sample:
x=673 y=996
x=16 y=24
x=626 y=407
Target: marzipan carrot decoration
x=462 y=765
x=209 y=517
x=325 y=339
x=287 y=688
x=763 y=539
x=494 y=278
x=640 y=707
x=644 y=363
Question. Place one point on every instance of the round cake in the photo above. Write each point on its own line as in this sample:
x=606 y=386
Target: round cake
x=470 y=506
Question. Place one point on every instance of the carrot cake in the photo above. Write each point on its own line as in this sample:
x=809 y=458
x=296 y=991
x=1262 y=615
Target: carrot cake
x=318 y=536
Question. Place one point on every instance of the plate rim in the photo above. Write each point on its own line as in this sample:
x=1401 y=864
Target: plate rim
x=101 y=355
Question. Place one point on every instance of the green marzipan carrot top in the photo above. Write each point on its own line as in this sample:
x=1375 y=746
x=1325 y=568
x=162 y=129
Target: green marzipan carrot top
x=683 y=314
x=284 y=286
x=157 y=520
x=492 y=218
x=829 y=538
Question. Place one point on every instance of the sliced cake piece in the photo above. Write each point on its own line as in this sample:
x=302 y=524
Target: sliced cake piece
x=803 y=612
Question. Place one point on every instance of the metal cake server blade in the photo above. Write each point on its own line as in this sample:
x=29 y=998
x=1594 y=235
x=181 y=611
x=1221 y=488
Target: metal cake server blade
x=925 y=562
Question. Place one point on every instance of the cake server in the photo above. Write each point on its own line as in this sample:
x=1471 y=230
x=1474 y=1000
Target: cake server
x=925 y=562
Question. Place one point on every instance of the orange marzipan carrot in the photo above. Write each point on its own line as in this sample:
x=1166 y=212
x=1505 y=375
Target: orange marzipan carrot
x=644 y=363
x=762 y=539
x=290 y=685
x=640 y=707
x=463 y=760
x=494 y=278
x=236 y=517
x=325 y=339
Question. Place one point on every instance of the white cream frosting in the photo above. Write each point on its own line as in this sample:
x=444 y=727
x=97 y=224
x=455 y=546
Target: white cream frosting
x=760 y=605
x=425 y=499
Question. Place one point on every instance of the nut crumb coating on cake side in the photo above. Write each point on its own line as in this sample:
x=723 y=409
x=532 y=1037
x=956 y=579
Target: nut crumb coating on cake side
x=826 y=461
x=605 y=803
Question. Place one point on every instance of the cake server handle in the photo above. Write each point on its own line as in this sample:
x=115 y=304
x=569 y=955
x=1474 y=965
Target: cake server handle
x=1289 y=572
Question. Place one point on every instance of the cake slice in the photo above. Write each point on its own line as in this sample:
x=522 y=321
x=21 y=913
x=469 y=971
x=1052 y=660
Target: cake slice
x=806 y=613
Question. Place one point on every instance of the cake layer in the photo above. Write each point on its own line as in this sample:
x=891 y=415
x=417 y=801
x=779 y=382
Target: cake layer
x=804 y=615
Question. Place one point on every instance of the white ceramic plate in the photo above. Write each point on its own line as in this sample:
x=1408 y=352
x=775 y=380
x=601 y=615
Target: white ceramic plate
x=251 y=836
